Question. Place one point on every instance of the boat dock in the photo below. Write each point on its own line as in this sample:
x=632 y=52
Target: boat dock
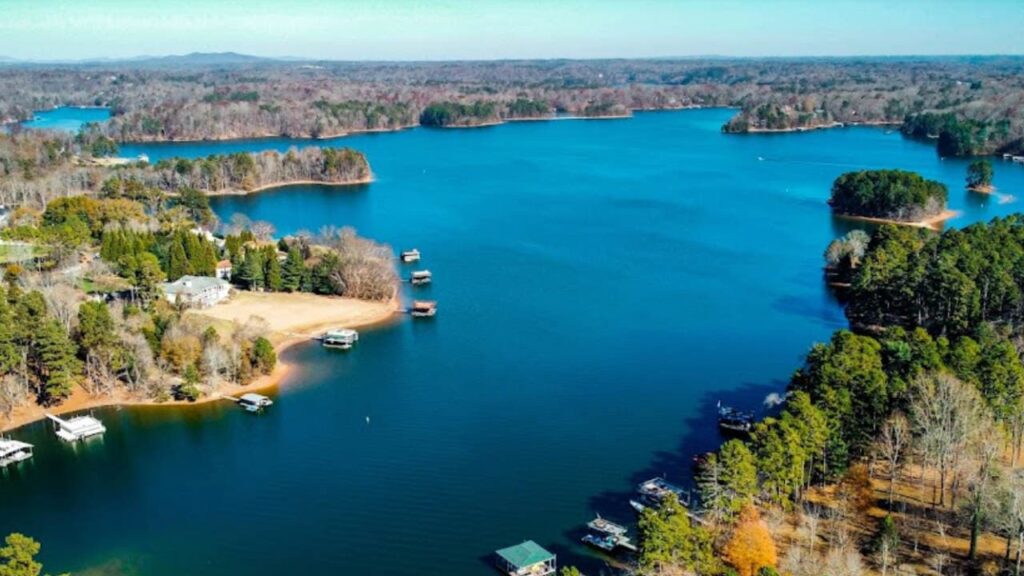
x=526 y=559
x=77 y=428
x=342 y=338
x=410 y=256
x=733 y=420
x=420 y=277
x=13 y=452
x=608 y=536
x=423 y=308
x=251 y=402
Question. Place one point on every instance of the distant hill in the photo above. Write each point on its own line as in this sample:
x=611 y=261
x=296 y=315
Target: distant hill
x=203 y=59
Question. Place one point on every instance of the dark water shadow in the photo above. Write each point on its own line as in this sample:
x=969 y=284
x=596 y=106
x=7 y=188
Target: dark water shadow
x=678 y=466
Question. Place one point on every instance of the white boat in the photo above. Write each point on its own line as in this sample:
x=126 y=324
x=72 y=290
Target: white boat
x=343 y=338
x=254 y=402
x=411 y=256
x=637 y=506
x=13 y=452
x=77 y=428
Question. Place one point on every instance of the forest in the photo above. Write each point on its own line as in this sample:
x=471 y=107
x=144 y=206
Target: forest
x=969 y=105
x=888 y=194
x=898 y=445
x=36 y=167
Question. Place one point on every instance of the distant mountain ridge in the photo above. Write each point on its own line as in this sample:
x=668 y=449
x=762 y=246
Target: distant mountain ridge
x=190 y=59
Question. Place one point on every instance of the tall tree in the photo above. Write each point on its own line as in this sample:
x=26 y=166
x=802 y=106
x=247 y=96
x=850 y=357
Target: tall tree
x=751 y=548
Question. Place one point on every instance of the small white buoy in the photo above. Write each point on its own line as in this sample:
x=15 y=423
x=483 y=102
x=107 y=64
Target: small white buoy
x=367 y=419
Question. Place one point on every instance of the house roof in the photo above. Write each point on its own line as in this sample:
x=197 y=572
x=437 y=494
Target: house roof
x=192 y=285
x=223 y=264
x=526 y=554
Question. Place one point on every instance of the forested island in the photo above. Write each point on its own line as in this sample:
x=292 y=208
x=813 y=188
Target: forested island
x=969 y=106
x=894 y=195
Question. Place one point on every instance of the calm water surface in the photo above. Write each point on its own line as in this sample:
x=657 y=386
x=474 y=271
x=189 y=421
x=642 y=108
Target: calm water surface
x=67 y=118
x=601 y=286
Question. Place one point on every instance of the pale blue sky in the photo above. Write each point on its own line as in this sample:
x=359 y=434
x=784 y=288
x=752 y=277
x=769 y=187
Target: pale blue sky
x=487 y=29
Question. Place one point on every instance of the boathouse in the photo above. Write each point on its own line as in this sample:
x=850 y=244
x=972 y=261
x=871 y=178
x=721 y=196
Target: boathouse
x=77 y=428
x=526 y=559
x=12 y=452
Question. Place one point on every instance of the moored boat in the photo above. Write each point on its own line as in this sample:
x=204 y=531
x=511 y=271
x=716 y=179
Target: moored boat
x=606 y=526
x=409 y=256
x=734 y=420
x=635 y=505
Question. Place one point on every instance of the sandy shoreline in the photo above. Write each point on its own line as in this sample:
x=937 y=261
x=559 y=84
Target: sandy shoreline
x=290 y=327
x=931 y=223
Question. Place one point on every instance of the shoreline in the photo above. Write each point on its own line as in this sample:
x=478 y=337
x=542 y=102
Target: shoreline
x=81 y=399
x=235 y=192
x=989 y=189
x=935 y=223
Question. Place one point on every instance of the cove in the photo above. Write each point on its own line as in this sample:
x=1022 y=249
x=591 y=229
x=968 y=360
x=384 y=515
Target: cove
x=67 y=118
x=601 y=285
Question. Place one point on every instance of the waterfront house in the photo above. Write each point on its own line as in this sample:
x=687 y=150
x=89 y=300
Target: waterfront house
x=223 y=270
x=526 y=559
x=196 y=291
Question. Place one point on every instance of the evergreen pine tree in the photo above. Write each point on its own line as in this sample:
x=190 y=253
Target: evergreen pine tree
x=293 y=271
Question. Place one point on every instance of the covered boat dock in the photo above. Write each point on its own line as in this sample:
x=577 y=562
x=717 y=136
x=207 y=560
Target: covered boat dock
x=526 y=559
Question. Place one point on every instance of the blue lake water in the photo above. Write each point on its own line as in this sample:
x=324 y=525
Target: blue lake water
x=601 y=286
x=67 y=118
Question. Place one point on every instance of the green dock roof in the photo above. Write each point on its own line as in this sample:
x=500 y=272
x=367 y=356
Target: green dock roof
x=526 y=554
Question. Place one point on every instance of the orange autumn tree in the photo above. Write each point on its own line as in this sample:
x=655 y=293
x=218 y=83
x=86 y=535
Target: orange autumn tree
x=751 y=546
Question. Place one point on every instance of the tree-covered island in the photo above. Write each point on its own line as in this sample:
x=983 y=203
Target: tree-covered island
x=894 y=195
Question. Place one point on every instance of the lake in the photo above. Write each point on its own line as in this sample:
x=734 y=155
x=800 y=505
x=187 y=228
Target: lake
x=601 y=285
x=66 y=118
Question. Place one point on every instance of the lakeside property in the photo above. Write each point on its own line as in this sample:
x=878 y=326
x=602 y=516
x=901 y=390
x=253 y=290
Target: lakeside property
x=526 y=332
x=289 y=319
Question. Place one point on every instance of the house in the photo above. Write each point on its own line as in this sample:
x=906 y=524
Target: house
x=197 y=291
x=223 y=270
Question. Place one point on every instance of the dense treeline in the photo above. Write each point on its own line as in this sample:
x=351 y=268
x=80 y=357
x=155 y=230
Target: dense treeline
x=249 y=171
x=949 y=283
x=961 y=136
x=37 y=167
x=446 y=114
x=335 y=262
x=155 y=102
x=889 y=194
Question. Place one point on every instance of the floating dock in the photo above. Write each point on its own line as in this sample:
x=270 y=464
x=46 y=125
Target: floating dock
x=254 y=402
x=409 y=256
x=13 y=452
x=342 y=338
x=420 y=277
x=608 y=536
x=423 y=309
x=77 y=428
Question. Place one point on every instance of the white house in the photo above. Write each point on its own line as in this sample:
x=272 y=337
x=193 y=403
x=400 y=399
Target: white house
x=224 y=269
x=198 y=291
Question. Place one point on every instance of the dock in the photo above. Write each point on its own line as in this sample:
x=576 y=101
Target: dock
x=423 y=309
x=420 y=277
x=12 y=452
x=342 y=338
x=77 y=428
x=526 y=559
x=608 y=536
x=410 y=256
x=251 y=402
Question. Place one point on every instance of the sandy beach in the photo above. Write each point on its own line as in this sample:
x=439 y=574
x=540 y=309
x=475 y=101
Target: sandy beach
x=292 y=318
x=932 y=223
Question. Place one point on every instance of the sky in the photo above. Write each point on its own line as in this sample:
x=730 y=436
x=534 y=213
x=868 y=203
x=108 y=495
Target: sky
x=496 y=29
